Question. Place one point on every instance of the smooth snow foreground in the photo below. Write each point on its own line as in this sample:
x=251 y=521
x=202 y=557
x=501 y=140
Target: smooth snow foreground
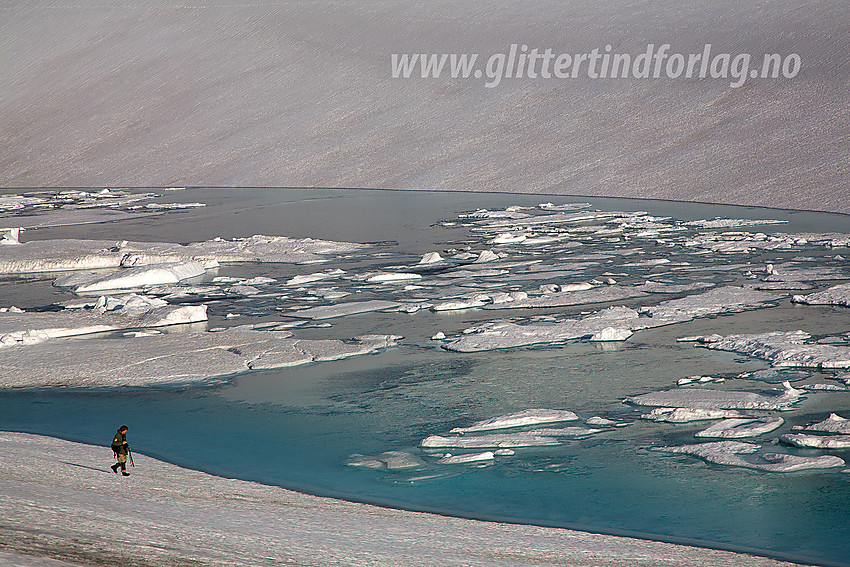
x=61 y=505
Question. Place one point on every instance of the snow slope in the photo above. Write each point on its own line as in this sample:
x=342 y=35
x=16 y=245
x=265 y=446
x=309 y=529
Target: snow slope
x=75 y=511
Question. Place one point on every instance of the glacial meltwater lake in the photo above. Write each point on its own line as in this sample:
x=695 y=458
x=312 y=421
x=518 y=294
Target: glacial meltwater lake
x=324 y=428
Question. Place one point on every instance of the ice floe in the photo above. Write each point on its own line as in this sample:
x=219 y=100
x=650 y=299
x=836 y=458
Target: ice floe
x=70 y=254
x=774 y=399
x=585 y=294
x=315 y=276
x=832 y=424
x=344 y=309
x=736 y=428
x=686 y=415
x=392 y=277
x=112 y=314
x=782 y=349
x=836 y=295
x=816 y=441
x=727 y=299
x=131 y=278
x=449 y=459
x=523 y=439
x=499 y=335
x=169 y=358
x=523 y=418
x=391 y=460
x=729 y=453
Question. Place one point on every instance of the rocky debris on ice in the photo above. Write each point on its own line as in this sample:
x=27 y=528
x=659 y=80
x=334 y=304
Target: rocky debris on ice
x=687 y=415
x=390 y=460
x=71 y=254
x=816 y=441
x=169 y=358
x=782 y=349
x=729 y=453
x=832 y=424
x=504 y=334
x=836 y=295
x=736 y=428
x=344 y=309
x=449 y=459
x=523 y=418
x=774 y=399
x=111 y=314
x=131 y=278
x=524 y=439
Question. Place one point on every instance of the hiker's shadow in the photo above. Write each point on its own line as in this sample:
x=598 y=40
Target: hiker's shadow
x=84 y=466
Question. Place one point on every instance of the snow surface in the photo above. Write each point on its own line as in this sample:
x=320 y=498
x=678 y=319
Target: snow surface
x=76 y=511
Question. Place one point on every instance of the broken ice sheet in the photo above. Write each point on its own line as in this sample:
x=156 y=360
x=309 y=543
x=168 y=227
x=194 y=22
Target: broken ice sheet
x=735 y=428
x=519 y=419
x=832 y=424
x=70 y=254
x=131 y=278
x=390 y=460
x=782 y=349
x=23 y=328
x=836 y=295
x=816 y=441
x=730 y=453
x=686 y=415
x=500 y=335
x=169 y=358
x=523 y=439
x=774 y=399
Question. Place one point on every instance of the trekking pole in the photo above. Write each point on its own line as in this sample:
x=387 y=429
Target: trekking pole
x=130 y=454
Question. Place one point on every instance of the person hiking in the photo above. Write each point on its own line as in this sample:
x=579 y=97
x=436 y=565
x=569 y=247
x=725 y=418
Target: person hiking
x=121 y=450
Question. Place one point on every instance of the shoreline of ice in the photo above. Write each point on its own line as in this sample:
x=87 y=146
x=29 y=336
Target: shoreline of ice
x=180 y=515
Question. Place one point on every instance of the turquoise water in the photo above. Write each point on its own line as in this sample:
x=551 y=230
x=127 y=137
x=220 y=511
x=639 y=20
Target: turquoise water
x=297 y=427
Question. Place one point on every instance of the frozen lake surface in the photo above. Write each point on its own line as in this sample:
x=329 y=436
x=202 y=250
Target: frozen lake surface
x=573 y=307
